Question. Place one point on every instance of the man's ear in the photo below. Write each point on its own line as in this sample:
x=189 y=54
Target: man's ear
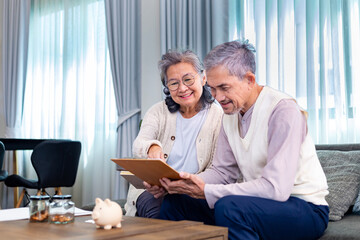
x=250 y=78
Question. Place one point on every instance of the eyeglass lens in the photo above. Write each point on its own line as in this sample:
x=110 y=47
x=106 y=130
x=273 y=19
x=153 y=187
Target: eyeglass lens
x=187 y=80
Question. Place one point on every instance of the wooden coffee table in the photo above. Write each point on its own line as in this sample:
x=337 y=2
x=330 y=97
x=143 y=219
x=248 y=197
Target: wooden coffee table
x=132 y=228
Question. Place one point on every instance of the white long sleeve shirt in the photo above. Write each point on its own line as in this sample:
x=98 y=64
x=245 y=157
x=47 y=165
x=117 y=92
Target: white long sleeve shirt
x=286 y=133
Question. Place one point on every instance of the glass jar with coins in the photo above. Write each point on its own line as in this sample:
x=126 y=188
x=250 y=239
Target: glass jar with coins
x=61 y=209
x=39 y=208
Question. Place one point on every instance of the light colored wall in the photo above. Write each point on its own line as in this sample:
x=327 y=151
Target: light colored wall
x=2 y=116
x=151 y=88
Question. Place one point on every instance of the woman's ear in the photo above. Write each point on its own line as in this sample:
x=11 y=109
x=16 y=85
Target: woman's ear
x=204 y=78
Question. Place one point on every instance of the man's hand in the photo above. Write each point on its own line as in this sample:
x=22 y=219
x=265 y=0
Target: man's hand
x=191 y=185
x=155 y=151
x=155 y=190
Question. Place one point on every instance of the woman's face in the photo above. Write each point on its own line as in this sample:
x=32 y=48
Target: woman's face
x=185 y=95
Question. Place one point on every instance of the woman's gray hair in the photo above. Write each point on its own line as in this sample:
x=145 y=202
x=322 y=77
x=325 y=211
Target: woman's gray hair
x=173 y=57
x=236 y=56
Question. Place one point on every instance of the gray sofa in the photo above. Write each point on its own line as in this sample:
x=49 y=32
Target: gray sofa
x=341 y=164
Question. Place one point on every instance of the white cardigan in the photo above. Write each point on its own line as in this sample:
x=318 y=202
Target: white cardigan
x=159 y=127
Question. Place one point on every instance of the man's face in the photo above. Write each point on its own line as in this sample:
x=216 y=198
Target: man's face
x=230 y=91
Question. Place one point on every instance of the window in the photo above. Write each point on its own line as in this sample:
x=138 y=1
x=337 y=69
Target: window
x=69 y=91
x=308 y=49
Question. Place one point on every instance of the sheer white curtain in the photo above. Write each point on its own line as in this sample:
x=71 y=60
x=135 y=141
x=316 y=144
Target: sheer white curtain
x=309 y=49
x=69 y=92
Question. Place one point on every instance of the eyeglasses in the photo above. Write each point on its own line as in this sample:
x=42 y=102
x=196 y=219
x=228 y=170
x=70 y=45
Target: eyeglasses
x=187 y=80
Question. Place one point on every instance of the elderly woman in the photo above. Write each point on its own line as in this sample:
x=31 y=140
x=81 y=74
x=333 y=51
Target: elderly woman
x=182 y=130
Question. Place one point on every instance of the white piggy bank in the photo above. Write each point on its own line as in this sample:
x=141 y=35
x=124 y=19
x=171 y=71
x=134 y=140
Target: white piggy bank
x=107 y=214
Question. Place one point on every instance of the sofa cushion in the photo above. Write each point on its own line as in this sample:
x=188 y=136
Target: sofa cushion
x=342 y=170
x=346 y=229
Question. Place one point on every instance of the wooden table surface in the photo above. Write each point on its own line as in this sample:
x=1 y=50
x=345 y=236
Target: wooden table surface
x=132 y=228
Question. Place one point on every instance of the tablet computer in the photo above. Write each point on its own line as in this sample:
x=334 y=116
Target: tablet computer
x=148 y=170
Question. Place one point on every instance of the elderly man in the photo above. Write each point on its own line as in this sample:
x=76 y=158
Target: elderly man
x=265 y=181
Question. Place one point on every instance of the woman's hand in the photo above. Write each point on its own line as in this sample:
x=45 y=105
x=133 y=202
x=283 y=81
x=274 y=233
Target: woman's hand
x=155 y=151
x=155 y=190
x=190 y=184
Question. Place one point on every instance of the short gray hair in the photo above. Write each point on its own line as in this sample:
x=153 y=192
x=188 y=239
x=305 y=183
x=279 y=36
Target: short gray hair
x=173 y=57
x=237 y=56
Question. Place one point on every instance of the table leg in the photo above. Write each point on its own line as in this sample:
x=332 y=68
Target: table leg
x=58 y=191
x=20 y=199
x=15 y=171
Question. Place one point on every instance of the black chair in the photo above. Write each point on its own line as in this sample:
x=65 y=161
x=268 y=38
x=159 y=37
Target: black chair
x=3 y=173
x=55 y=163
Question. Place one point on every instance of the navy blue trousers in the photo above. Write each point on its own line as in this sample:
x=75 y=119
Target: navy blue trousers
x=252 y=217
x=147 y=206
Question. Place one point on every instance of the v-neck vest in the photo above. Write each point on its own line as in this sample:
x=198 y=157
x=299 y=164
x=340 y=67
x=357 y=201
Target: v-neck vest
x=251 y=151
x=254 y=144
